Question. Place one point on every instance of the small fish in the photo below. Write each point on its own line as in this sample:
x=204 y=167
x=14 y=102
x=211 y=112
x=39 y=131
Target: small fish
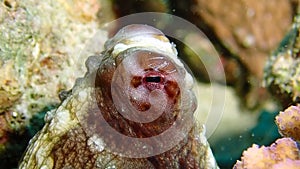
x=133 y=109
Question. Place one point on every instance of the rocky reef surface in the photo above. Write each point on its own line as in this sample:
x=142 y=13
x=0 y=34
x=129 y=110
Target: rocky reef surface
x=282 y=69
x=284 y=153
x=40 y=46
x=282 y=78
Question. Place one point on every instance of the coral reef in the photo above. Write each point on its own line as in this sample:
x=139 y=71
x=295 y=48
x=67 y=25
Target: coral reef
x=282 y=69
x=282 y=78
x=138 y=72
x=247 y=34
x=284 y=152
x=244 y=34
x=40 y=45
x=290 y=164
x=39 y=51
x=227 y=149
x=133 y=6
x=288 y=122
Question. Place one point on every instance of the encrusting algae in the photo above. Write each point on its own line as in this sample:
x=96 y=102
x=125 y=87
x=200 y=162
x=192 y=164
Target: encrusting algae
x=40 y=44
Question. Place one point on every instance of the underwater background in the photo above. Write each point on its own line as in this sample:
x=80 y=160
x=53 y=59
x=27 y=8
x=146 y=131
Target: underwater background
x=41 y=44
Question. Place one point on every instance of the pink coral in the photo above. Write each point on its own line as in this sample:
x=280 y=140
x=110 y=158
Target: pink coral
x=288 y=122
x=289 y=164
x=283 y=152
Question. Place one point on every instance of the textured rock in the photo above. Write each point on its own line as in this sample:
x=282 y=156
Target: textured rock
x=40 y=52
x=244 y=33
x=247 y=28
x=40 y=55
x=282 y=71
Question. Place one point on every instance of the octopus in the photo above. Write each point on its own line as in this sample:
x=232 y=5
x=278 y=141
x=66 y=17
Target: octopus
x=134 y=108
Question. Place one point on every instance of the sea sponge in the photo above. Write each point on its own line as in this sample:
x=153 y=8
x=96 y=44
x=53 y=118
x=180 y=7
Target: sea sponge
x=288 y=122
x=283 y=152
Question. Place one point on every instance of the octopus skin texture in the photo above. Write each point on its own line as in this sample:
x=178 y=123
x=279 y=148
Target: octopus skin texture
x=133 y=109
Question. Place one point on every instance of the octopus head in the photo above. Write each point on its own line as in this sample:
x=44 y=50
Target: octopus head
x=143 y=81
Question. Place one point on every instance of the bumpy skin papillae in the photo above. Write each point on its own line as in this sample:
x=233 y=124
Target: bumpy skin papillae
x=74 y=135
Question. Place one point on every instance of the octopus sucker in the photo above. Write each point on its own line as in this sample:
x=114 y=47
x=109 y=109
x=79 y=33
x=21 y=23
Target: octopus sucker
x=133 y=109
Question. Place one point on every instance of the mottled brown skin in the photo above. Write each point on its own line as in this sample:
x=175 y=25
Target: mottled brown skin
x=72 y=148
x=116 y=120
x=180 y=156
x=72 y=151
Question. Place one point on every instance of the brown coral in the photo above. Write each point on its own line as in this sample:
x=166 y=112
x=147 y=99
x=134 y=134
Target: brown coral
x=247 y=32
x=283 y=152
x=288 y=122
